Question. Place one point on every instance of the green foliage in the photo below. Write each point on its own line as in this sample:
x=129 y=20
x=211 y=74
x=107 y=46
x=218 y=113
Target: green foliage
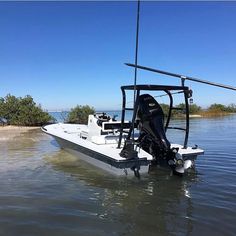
x=223 y=108
x=79 y=114
x=23 y=111
x=194 y=109
x=217 y=107
x=231 y=108
x=213 y=110
x=179 y=113
x=165 y=108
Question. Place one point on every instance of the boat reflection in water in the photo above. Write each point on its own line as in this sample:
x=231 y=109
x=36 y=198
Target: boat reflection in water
x=157 y=203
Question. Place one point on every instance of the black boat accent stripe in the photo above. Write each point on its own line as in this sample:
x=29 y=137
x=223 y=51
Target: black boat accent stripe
x=103 y=158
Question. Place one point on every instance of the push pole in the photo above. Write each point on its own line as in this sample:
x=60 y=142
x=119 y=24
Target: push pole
x=182 y=76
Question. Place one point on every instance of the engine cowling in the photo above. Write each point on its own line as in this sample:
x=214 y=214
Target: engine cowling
x=150 y=120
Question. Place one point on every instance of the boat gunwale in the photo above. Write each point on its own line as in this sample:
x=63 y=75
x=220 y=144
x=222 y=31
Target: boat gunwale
x=121 y=164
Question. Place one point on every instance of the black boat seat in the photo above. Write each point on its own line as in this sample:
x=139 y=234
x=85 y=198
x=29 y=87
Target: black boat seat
x=102 y=117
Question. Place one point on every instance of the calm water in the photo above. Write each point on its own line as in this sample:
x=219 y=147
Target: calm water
x=45 y=191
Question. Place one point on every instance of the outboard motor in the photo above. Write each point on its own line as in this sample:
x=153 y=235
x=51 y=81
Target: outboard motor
x=152 y=139
x=150 y=119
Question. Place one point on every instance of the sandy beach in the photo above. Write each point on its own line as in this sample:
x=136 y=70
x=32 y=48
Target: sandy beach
x=11 y=131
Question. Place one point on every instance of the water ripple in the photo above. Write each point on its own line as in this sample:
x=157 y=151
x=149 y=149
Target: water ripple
x=46 y=191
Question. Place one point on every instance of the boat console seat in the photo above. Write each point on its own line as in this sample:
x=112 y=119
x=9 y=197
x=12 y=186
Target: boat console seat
x=109 y=124
x=102 y=117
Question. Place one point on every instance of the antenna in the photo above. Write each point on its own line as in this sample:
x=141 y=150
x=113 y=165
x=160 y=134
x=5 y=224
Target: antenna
x=136 y=63
x=136 y=48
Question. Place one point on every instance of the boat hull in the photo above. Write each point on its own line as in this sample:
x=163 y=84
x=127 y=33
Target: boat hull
x=102 y=151
x=101 y=161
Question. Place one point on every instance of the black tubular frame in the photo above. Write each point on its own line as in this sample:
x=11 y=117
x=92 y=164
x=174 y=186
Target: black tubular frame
x=167 y=89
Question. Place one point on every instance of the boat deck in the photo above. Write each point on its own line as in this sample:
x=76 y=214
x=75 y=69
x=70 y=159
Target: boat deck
x=104 y=144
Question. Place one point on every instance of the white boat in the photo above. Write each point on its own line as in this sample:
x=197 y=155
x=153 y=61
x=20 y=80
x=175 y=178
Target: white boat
x=129 y=147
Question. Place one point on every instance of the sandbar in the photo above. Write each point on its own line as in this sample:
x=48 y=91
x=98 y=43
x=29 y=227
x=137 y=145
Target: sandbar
x=10 y=131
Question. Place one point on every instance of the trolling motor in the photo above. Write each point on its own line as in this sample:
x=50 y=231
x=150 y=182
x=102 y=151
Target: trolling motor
x=152 y=139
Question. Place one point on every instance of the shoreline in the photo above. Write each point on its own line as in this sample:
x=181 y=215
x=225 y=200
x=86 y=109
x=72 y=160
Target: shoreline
x=9 y=132
x=205 y=115
x=17 y=128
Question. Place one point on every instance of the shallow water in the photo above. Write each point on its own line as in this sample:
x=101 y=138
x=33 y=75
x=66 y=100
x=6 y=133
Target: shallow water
x=46 y=191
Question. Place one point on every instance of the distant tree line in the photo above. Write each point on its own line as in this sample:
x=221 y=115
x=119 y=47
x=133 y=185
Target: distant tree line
x=79 y=114
x=23 y=111
x=219 y=107
x=213 y=110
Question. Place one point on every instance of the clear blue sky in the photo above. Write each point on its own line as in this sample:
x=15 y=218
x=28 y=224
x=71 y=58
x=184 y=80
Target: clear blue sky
x=68 y=53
